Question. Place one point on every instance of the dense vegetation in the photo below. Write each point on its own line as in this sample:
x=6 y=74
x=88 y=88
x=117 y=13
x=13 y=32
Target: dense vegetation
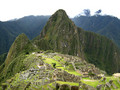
x=18 y=51
x=60 y=34
x=31 y=26
x=105 y=25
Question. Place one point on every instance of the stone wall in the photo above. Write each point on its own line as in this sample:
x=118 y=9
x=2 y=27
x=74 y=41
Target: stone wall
x=68 y=87
x=65 y=76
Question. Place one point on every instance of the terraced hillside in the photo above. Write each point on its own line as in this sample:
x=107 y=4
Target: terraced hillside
x=48 y=71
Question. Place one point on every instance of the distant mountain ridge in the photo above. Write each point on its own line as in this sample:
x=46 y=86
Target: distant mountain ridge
x=104 y=25
x=31 y=26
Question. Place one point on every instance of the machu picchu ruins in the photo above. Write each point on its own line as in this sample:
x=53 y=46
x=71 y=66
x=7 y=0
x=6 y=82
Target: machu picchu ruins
x=70 y=72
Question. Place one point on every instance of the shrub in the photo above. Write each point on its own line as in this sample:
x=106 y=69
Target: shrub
x=48 y=51
x=27 y=52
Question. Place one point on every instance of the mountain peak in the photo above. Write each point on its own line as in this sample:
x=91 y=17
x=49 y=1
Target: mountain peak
x=59 y=16
x=59 y=24
x=59 y=27
x=21 y=43
x=60 y=12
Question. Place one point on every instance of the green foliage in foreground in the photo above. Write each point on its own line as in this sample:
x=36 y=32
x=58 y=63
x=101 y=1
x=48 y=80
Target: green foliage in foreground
x=69 y=83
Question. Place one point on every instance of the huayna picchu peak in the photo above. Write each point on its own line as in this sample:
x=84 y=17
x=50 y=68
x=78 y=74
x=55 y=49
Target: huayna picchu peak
x=62 y=57
x=58 y=23
x=61 y=35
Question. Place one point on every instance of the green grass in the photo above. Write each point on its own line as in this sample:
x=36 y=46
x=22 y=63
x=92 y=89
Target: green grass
x=73 y=72
x=50 y=61
x=51 y=85
x=116 y=83
x=59 y=66
x=30 y=61
x=110 y=78
x=98 y=82
x=57 y=57
x=0 y=88
x=69 y=83
x=86 y=78
x=91 y=83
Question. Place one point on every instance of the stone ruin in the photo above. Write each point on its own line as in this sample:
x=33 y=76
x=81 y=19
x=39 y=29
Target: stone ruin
x=83 y=67
x=69 y=87
x=48 y=66
x=107 y=85
x=65 y=76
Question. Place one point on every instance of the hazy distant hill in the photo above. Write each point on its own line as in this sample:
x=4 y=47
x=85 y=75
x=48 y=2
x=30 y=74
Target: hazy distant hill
x=105 y=25
x=30 y=25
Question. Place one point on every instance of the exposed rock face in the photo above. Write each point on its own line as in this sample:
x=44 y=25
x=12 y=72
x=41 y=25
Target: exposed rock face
x=60 y=34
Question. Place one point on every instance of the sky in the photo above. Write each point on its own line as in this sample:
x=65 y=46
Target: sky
x=10 y=9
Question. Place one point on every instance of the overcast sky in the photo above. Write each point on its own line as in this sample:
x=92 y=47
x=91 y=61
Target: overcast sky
x=10 y=9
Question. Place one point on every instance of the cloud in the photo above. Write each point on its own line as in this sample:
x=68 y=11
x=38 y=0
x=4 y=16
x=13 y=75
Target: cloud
x=10 y=9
